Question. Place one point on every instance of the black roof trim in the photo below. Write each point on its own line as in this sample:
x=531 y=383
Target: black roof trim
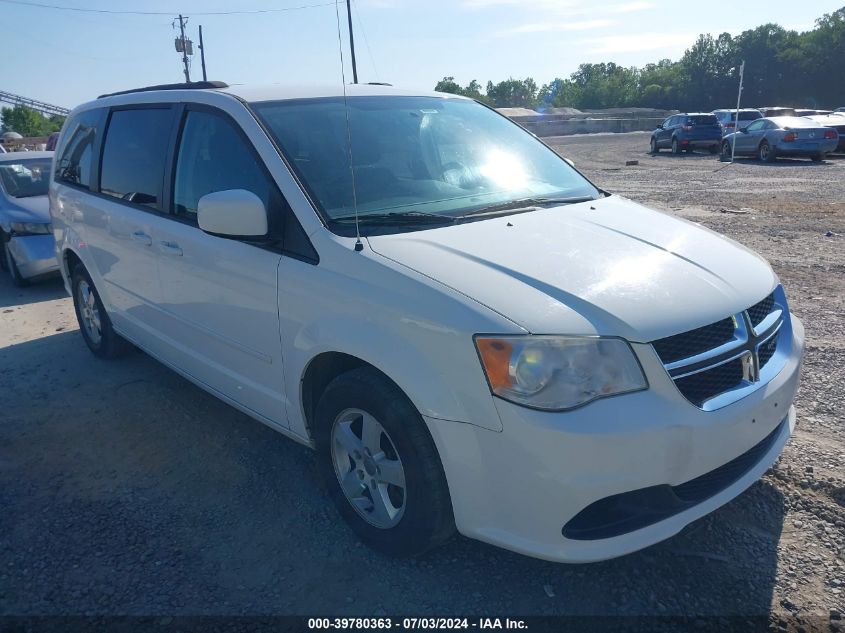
x=193 y=85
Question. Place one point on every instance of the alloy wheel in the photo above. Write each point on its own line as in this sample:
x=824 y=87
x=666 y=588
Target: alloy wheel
x=89 y=312
x=368 y=468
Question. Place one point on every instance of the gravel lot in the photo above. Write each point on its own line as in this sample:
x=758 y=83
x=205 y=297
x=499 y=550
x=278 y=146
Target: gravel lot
x=124 y=489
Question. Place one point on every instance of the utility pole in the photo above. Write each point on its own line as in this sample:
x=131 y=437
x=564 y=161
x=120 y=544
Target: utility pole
x=184 y=49
x=736 y=122
x=202 y=56
x=352 y=41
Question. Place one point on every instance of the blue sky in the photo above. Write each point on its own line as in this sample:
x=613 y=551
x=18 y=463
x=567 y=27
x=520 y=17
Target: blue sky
x=66 y=57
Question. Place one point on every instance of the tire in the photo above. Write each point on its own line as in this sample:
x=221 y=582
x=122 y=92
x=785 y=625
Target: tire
x=412 y=519
x=103 y=341
x=817 y=158
x=725 y=154
x=11 y=267
x=765 y=153
x=653 y=146
x=714 y=149
x=676 y=147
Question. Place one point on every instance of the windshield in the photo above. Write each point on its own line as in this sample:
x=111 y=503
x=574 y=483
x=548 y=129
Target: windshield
x=420 y=155
x=702 y=119
x=26 y=178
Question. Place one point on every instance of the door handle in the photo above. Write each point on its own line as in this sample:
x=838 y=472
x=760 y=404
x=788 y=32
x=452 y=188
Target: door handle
x=143 y=238
x=170 y=248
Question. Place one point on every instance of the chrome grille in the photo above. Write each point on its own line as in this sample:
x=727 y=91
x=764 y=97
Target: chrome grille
x=761 y=310
x=719 y=363
x=695 y=341
x=701 y=386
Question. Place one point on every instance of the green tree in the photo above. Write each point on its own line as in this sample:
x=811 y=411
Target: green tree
x=782 y=67
x=513 y=93
x=28 y=122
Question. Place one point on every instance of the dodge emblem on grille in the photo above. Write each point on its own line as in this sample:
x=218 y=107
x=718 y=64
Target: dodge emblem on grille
x=750 y=370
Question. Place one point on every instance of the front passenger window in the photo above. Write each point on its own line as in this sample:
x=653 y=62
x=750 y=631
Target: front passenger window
x=213 y=156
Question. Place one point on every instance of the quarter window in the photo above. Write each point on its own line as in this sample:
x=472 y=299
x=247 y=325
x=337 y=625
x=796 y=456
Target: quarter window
x=134 y=155
x=77 y=153
x=213 y=156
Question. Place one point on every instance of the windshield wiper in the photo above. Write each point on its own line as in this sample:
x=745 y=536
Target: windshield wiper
x=526 y=204
x=410 y=217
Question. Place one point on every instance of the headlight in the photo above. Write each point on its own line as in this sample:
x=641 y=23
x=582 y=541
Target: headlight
x=31 y=228
x=556 y=373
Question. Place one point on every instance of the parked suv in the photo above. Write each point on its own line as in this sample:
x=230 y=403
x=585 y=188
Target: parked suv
x=470 y=333
x=728 y=119
x=685 y=132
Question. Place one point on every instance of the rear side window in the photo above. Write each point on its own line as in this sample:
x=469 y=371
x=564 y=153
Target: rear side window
x=134 y=155
x=213 y=156
x=702 y=119
x=74 y=165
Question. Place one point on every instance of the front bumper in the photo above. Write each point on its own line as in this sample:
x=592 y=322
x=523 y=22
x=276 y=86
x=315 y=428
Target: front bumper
x=35 y=255
x=518 y=489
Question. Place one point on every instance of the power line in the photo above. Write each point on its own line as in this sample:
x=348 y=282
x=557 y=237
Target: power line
x=41 y=5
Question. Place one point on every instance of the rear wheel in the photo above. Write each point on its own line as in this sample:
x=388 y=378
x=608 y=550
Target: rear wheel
x=380 y=465
x=653 y=146
x=94 y=322
x=714 y=149
x=676 y=146
x=765 y=153
x=817 y=158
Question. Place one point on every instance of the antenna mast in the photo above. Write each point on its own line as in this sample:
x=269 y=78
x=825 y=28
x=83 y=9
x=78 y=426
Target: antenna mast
x=351 y=41
x=359 y=245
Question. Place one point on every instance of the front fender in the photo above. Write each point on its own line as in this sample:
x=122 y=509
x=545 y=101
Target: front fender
x=409 y=327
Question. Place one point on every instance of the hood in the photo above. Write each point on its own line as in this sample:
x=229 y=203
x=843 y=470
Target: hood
x=34 y=209
x=610 y=267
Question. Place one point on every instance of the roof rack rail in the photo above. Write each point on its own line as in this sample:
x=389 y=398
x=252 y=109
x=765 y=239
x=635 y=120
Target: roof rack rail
x=191 y=85
x=378 y=83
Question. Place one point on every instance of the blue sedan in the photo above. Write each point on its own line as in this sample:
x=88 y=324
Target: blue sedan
x=771 y=137
x=26 y=238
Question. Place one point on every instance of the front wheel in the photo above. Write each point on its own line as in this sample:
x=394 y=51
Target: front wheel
x=380 y=465
x=726 y=151
x=11 y=267
x=765 y=153
x=653 y=146
x=94 y=322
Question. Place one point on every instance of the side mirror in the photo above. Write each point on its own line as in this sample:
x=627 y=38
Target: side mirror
x=744 y=130
x=659 y=126
x=568 y=160
x=232 y=213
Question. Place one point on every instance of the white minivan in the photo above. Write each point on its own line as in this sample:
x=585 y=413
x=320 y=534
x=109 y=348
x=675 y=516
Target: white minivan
x=471 y=334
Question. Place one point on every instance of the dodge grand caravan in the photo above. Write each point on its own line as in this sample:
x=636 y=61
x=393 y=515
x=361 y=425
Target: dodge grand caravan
x=470 y=333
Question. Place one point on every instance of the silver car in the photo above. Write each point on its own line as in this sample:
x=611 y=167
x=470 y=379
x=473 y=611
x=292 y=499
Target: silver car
x=727 y=118
x=837 y=122
x=768 y=138
x=26 y=237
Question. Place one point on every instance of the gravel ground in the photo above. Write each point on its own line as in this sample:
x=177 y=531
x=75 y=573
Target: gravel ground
x=124 y=489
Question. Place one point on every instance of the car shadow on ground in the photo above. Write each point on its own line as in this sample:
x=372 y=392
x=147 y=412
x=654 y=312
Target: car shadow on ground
x=784 y=162
x=694 y=154
x=127 y=489
x=46 y=289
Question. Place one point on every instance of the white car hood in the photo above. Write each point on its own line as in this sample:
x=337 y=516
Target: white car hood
x=610 y=267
